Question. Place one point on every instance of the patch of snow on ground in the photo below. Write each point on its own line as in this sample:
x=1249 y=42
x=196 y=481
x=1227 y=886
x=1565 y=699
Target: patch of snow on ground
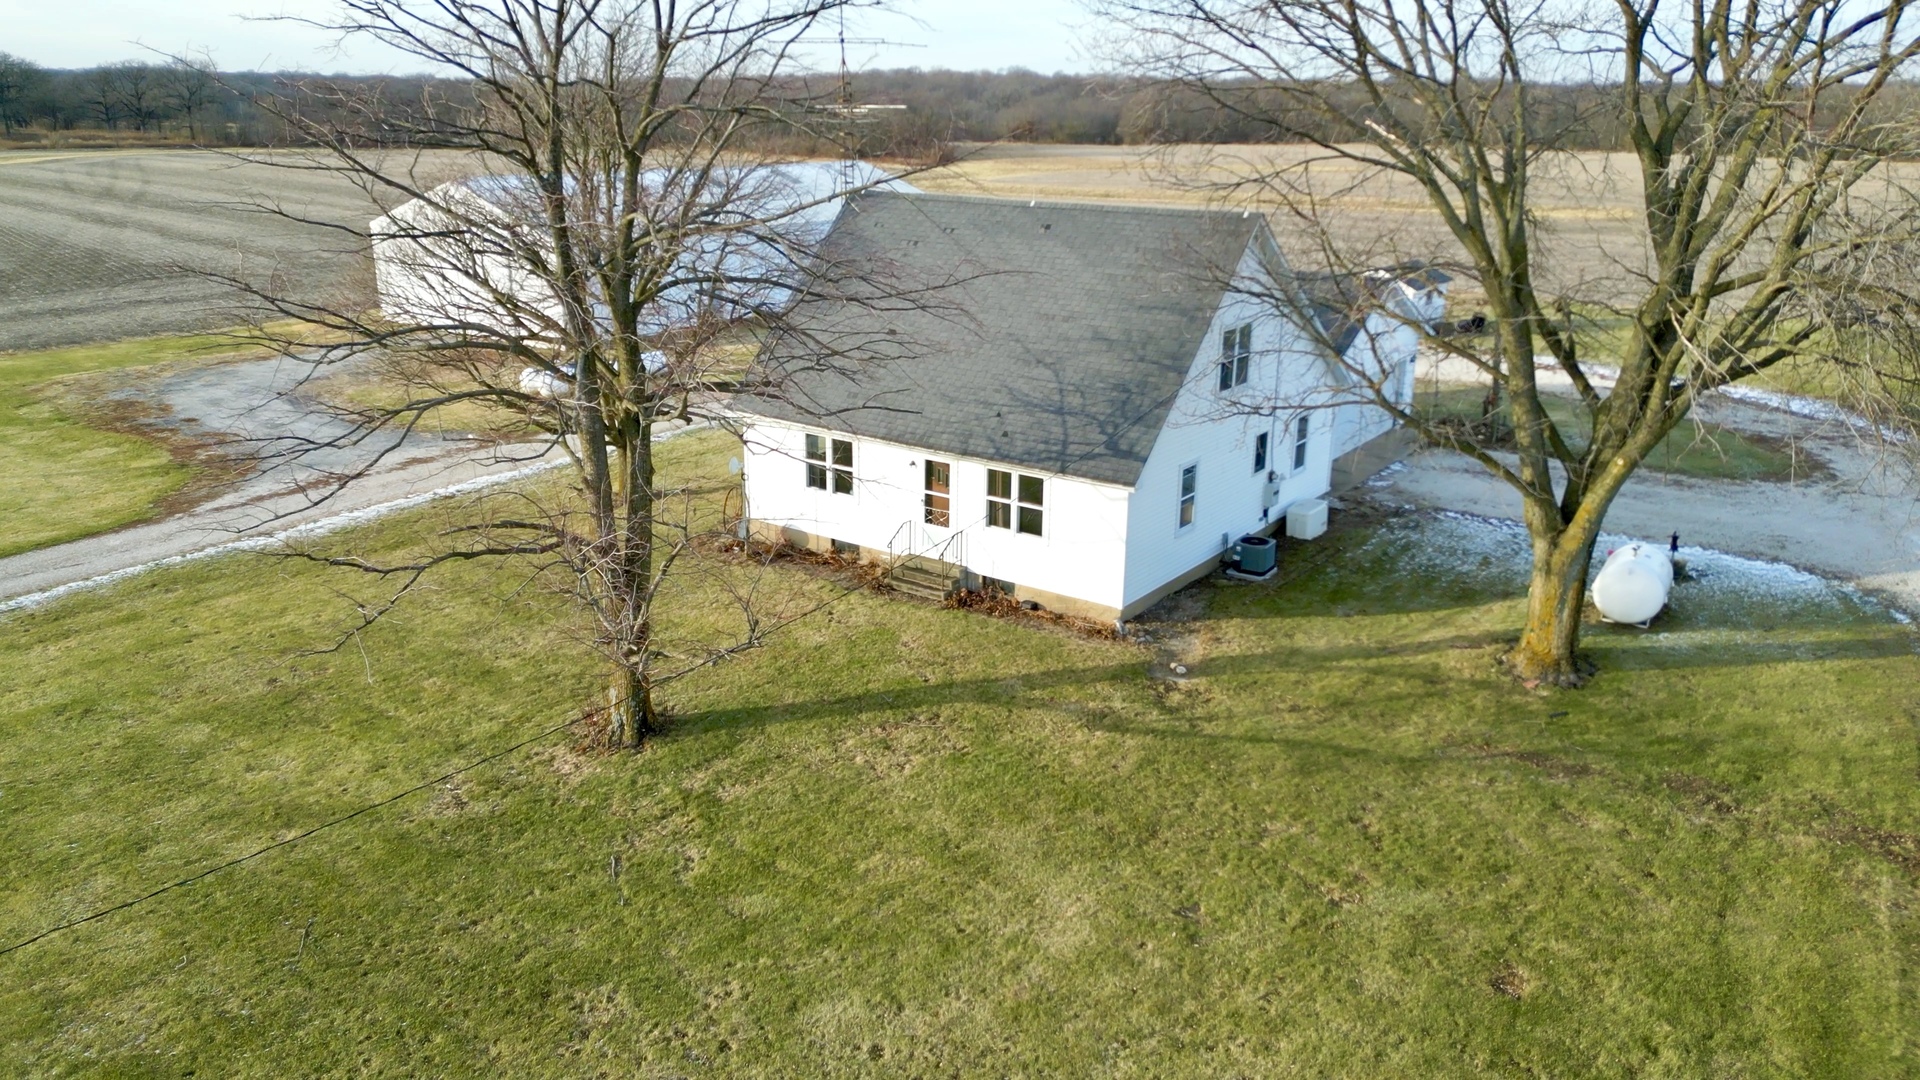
x=1448 y=549
x=1807 y=408
x=1384 y=478
x=1603 y=376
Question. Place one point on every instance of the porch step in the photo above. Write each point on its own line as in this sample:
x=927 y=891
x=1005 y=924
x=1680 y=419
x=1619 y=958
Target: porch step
x=924 y=577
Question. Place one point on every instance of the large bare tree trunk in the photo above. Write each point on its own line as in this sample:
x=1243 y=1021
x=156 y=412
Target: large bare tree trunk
x=1548 y=651
x=634 y=718
x=631 y=718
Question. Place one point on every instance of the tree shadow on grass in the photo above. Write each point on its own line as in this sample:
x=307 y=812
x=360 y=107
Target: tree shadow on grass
x=1673 y=654
x=1409 y=664
x=1305 y=598
x=1022 y=691
x=1154 y=717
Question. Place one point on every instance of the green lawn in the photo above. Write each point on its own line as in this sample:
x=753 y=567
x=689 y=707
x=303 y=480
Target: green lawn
x=61 y=479
x=1695 y=449
x=908 y=841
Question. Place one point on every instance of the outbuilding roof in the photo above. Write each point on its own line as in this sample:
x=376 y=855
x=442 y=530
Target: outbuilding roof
x=745 y=225
x=1051 y=336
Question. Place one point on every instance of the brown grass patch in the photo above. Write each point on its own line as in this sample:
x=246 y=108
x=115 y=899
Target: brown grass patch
x=91 y=401
x=1511 y=980
x=1557 y=767
x=1899 y=848
x=1702 y=793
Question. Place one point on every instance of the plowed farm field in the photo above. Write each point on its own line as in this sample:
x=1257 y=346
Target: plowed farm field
x=1589 y=243
x=103 y=245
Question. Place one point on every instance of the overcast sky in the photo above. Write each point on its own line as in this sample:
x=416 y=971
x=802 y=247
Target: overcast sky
x=967 y=34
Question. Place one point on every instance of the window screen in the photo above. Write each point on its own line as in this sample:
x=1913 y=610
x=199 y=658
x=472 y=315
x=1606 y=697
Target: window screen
x=1016 y=503
x=1236 y=356
x=817 y=462
x=836 y=472
x=1032 y=489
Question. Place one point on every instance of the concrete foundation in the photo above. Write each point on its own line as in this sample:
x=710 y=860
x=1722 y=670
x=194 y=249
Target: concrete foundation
x=1134 y=609
x=1052 y=601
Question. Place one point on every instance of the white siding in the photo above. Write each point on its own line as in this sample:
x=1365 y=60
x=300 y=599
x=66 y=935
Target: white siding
x=1217 y=431
x=1385 y=348
x=1081 y=553
x=423 y=276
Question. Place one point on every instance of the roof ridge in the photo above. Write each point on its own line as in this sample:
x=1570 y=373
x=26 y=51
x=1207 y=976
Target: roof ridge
x=1065 y=204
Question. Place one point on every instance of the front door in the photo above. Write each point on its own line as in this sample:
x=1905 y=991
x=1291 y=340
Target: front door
x=936 y=509
x=938 y=501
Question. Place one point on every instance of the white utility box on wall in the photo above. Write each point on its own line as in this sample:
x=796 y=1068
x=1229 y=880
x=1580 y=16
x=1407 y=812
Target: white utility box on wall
x=1307 y=519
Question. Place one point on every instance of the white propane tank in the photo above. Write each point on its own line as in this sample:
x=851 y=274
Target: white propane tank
x=1632 y=585
x=546 y=384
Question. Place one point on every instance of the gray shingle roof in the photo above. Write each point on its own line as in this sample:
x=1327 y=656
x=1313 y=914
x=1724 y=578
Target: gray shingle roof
x=1056 y=338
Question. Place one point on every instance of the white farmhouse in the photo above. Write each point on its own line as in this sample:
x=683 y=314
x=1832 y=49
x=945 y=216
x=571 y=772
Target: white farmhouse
x=1097 y=405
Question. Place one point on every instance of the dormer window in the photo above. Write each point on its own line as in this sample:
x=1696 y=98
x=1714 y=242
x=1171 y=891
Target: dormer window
x=1236 y=356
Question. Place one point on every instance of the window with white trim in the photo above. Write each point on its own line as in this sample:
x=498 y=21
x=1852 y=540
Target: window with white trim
x=1260 y=452
x=830 y=464
x=1300 y=442
x=1236 y=356
x=1189 y=492
x=1015 y=501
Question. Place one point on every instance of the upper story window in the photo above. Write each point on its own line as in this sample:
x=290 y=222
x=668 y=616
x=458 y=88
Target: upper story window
x=830 y=462
x=1260 y=452
x=1189 y=491
x=1300 y=442
x=1236 y=355
x=1015 y=502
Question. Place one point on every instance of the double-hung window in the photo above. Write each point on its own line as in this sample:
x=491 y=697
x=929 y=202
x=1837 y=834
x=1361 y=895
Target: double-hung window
x=830 y=464
x=1015 y=502
x=1260 y=452
x=1236 y=355
x=1189 y=490
x=1300 y=443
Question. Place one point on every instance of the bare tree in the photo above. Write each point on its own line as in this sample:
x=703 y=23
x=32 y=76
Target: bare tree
x=188 y=88
x=616 y=240
x=100 y=91
x=17 y=77
x=139 y=89
x=1765 y=141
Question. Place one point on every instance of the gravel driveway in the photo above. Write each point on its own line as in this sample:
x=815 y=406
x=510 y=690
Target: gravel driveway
x=1858 y=525
x=256 y=406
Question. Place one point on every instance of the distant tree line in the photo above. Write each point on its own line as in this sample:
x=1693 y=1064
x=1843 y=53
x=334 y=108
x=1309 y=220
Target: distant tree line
x=1023 y=106
x=178 y=100
x=158 y=99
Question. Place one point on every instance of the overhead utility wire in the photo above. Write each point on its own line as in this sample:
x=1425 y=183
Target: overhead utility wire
x=229 y=864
